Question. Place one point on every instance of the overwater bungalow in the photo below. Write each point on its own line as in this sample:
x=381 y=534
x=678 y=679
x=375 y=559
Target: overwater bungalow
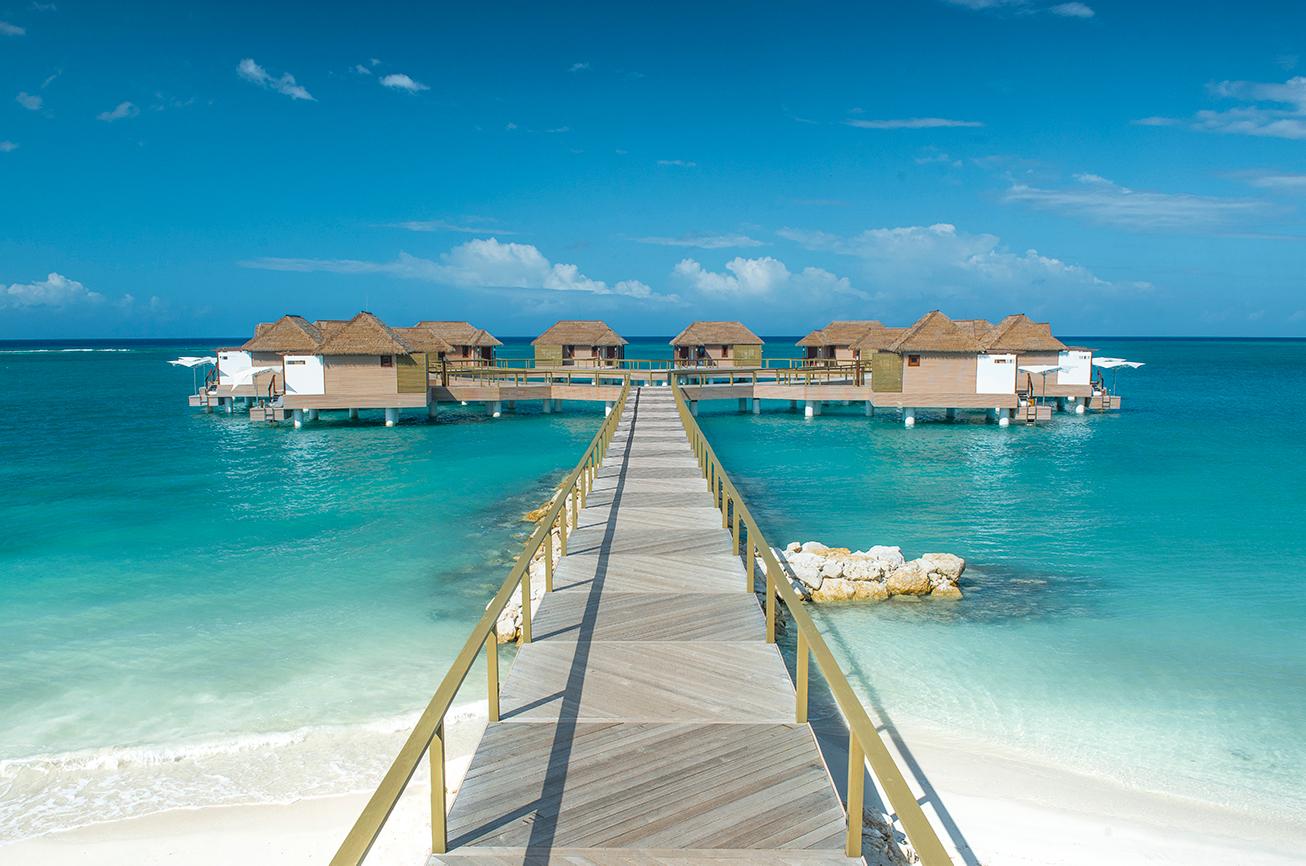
x=579 y=343
x=717 y=344
x=271 y=343
x=838 y=341
x=1030 y=345
x=469 y=344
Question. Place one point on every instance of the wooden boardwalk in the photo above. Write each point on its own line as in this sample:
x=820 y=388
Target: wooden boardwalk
x=648 y=721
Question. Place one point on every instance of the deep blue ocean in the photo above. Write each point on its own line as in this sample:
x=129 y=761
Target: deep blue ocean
x=198 y=609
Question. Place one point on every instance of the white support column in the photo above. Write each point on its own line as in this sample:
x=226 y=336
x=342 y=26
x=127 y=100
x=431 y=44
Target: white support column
x=693 y=408
x=820 y=406
x=297 y=416
x=809 y=409
x=1003 y=416
x=743 y=404
x=757 y=405
x=870 y=409
x=230 y=404
x=391 y=417
x=432 y=410
x=909 y=417
x=312 y=414
x=548 y=407
x=607 y=408
x=208 y=407
x=557 y=405
x=496 y=409
x=1080 y=408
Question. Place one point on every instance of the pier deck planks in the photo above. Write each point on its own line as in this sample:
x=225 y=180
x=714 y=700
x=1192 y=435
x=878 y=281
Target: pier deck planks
x=648 y=721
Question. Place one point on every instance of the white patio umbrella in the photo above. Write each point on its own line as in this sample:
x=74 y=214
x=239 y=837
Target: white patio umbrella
x=245 y=377
x=1114 y=365
x=1042 y=370
x=193 y=361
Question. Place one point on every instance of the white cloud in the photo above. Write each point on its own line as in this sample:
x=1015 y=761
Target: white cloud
x=939 y=259
x=578 y=67
x=483 y=263
x=1072 y=10
x=912 y=123
x=1272 y=110
x=284 y=84
x=1157 y=121
x=55 y=290
x=764 y=278
x=361 y=69
x=7 y=29
x=120 y=111
x=44 y=7
x=704 y=242
x=444 y=226
x=8 y=146
x=1281 y=182
x=30 y=101
x=1104 y=201
x=678 y=163
x=399 y=81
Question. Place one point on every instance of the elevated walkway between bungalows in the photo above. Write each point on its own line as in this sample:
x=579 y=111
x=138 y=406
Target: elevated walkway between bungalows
x=649 y=716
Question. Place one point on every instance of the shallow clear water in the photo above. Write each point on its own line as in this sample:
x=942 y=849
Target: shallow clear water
x=195 y=608
x=1136 y=590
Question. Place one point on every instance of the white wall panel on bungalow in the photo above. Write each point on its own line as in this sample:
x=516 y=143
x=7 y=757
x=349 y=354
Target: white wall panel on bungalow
x=995 y=374
x=304 y=374
x=230 y=364
x=1076 y=367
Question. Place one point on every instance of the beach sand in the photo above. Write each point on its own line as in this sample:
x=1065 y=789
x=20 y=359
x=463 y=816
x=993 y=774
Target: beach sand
x=1007 y=811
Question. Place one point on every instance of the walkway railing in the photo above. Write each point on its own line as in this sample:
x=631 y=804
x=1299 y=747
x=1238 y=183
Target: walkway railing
x=864 y=743
x=527 y=373
x=428 y=734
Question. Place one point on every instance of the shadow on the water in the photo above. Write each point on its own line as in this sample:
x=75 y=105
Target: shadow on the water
x=881 y=843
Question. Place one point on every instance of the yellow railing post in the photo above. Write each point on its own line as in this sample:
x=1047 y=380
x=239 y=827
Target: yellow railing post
x=526 y=605
x=751 y=571
x=562 y=534
x=439 y=821
x=725 y=508
x=575 y=518
x=800 y=711
x=856 y=779
x=771 y=577
x=735 y=533
x=492 y=673
x=548 y=562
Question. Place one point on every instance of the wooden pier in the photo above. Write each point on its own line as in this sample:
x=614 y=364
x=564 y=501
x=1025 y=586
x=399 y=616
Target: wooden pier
x=649 y=716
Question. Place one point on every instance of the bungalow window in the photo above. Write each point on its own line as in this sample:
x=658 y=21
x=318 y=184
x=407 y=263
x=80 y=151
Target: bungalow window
x=913 y=360
x=387 y=360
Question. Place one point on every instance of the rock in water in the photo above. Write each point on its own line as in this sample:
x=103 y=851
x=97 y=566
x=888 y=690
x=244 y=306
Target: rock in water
x=909 y=579
x=836 y=589
x=946 y=565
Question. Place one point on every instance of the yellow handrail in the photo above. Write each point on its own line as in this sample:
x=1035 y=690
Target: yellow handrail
x=428 y=733
x=864 y=741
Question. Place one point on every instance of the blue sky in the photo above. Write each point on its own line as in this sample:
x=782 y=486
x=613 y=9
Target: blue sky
x=1115 y=167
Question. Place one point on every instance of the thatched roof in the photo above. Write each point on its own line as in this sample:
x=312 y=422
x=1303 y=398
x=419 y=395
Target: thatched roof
x=980 y=329
x=460 y=333
x=424 y=340
x=878 y=339
x=840 y=333
x=1019 y=333
x=579 y=332
x=716 y=334
x=935 y=332
x=289 y=334
x=364 y=334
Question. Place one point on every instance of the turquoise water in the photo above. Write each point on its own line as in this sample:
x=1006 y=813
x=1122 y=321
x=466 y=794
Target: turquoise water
x=199 y=609
x=1136 y=590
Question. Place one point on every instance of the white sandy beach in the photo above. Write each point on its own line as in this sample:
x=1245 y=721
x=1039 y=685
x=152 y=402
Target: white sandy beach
x=1009 y=812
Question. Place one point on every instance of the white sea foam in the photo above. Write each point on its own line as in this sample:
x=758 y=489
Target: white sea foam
x=43 y=794
x=55 y=351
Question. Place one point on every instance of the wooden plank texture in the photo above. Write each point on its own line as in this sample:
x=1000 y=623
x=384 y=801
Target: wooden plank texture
x=649 y=721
